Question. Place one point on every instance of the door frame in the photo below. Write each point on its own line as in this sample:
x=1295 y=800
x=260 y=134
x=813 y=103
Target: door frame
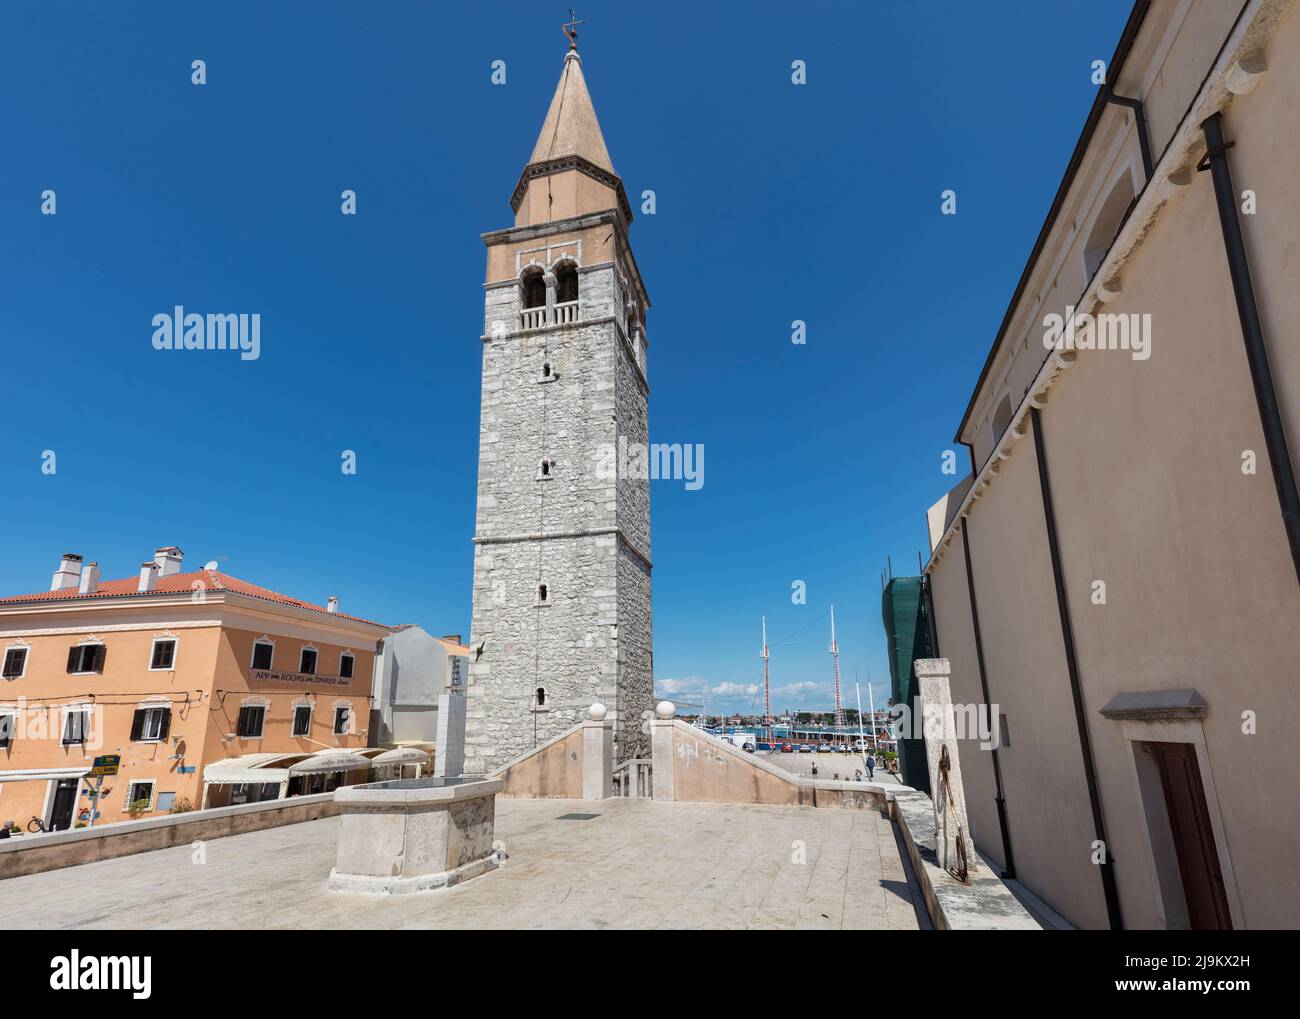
x=1152 y=800
x=52 y=797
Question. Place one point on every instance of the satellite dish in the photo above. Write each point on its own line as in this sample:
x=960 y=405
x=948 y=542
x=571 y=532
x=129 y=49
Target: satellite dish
x=214 y=565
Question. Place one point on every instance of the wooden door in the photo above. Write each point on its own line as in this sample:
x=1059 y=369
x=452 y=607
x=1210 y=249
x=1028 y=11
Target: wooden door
x=1189 y=820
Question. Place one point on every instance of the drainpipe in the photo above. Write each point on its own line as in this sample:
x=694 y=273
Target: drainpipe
x=1009 y=871
x=1139 y=115
x=1252 y=332
x=1076 y=692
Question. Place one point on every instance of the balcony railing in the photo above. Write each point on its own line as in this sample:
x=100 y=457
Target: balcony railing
x=536 y=318
x=532 y=318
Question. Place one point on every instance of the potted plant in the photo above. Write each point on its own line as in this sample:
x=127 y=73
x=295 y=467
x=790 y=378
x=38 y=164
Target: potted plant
x=136 y=809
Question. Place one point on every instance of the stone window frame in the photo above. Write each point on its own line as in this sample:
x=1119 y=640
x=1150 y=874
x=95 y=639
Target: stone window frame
x=546 y=469
x=252 y=654
x=164 y=637
x=545 y=706
x=18 y=645
x=302 y=702
x=128 y=799
x=543 y=601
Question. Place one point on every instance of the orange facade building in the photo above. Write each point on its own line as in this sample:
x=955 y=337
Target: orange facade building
x=173 y=672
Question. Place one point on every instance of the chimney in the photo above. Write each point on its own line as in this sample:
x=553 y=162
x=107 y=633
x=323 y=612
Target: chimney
x=168 y=560
x=68 y=574
x=148 y=576
x=332 y=605
x=89 y=579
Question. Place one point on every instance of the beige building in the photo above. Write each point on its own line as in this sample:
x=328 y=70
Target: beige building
x=1119 y=575
x=207 y=689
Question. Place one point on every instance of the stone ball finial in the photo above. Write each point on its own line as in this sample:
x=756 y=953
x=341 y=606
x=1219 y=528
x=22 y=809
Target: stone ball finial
x=665 y=709
x=597 y=712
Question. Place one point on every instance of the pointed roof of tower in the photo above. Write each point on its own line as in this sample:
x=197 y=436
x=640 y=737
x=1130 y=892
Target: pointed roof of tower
x=571 y=127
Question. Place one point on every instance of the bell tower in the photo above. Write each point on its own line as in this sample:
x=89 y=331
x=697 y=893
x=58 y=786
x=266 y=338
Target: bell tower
x=561 y=614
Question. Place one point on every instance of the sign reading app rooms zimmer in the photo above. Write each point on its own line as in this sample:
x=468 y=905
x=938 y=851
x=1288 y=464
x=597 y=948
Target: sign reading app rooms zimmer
x=271 y=676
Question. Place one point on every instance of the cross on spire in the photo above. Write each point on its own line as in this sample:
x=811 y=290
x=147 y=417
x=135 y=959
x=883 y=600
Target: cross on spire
x=571 y=29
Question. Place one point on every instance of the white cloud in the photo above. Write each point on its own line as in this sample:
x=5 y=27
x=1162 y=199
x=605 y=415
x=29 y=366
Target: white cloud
x=734 y=690
x=689 y=684
x=798 y=688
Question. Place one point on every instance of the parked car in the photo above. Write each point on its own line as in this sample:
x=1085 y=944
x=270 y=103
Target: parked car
x=805 y=748
x=844 y=748
x=825 y=748
x=786 y=748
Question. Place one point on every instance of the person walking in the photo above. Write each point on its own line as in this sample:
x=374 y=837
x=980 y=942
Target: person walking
x=871 y=768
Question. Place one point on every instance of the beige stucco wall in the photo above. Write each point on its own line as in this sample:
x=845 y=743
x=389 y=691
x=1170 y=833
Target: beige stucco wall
x=554 y=771
x=705 y=771
x=1145 y=463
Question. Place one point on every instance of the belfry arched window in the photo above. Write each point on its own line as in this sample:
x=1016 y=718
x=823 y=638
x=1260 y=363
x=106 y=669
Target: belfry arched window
x=534 y=287
x=566 y=283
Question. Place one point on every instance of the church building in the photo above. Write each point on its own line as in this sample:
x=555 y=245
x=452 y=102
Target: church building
x=561 y=611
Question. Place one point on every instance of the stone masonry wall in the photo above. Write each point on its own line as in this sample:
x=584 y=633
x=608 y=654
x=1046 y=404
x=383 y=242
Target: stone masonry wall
x=592 y=640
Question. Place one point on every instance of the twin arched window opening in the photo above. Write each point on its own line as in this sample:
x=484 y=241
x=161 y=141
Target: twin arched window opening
x=534 y=285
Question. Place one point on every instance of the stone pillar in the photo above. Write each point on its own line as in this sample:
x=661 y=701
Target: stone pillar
x=661 y=751
x=449 y=751
x=948 y=796
x=597 y=754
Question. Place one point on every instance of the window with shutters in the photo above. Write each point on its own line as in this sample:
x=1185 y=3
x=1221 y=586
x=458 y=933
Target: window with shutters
x=151 y=725
x=263 y=653
x=164 y=654
x=346 y=662
x=252 y=719
x=307 y=663
x=76 y=726
x=15 y=662
x=302 y=720
x=86 y=658
x=342 y=716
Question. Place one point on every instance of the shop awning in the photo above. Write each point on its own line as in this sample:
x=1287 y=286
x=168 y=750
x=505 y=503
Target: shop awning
x=328 y=761
x=401 y=755
x=250 y=768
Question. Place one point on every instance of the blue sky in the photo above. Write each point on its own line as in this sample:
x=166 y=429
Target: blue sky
x=774 y=203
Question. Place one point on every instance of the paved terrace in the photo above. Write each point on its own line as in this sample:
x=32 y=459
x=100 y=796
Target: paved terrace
x=639 y=864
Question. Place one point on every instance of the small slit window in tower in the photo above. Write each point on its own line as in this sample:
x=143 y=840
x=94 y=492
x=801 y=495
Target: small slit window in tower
x=566 y=283
x=541 y=696
x=545 y=470
x=543 y=595
x=534 y=288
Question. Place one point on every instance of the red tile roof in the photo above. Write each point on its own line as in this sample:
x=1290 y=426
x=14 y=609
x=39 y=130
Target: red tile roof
x=180 y=583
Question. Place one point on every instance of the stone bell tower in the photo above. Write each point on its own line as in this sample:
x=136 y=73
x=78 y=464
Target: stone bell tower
x=562 y=536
